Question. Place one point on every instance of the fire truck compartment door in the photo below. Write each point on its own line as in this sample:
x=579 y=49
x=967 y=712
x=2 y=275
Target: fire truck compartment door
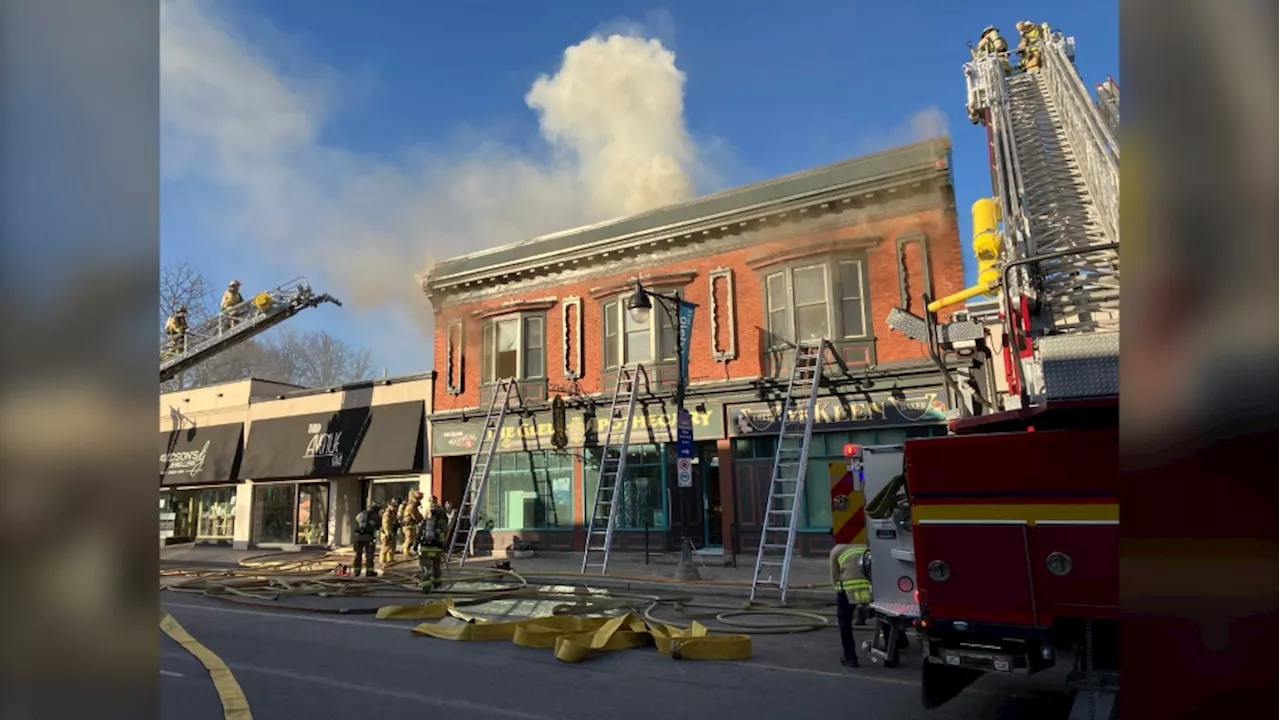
x=975 y=571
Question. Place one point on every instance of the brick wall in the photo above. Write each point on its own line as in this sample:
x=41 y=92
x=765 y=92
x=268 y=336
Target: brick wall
x=877 y=233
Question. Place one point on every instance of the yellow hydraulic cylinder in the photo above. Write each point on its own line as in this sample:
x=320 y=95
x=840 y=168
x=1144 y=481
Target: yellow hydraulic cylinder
x=987 y=249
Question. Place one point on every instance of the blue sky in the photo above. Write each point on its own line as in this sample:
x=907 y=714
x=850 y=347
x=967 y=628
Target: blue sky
x=310 y=136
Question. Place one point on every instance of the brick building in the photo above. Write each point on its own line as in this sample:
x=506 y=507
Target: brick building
x=826 y=252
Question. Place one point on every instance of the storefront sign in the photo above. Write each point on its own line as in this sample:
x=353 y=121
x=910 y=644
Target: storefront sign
x=850 y=412
x=653 y=423
x=200 y=454
x=382 y=438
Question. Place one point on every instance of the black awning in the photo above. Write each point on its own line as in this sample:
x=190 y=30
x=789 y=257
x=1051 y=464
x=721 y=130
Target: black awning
x=201 y=454
x=386 y=438
x=395 y=440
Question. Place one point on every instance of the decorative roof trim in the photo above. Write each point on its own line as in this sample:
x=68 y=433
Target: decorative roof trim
x=655 y=281
x=821 y=247
x=513 y=308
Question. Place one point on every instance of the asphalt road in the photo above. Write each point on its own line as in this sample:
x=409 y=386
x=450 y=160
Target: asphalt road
x=320 y=666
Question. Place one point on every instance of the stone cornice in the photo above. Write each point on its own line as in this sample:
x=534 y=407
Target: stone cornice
x=513 y=308
x=859 y=195
x=810 y=249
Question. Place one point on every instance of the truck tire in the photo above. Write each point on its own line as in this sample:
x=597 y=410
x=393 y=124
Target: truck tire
x=940 y=683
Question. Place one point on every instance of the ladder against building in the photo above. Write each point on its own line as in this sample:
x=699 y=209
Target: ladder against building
x=1055 y=176
x=790 y=463
x=235 y=325
x=506 y=397
x=613 y=467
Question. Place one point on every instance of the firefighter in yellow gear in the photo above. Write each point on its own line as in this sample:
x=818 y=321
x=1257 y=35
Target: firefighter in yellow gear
x=852 y=589
x=434 y=531
x=991 y=43
x=390 y=526
x=231 y=299
x=410 y=519
x=175 y=326
x=1029 y=45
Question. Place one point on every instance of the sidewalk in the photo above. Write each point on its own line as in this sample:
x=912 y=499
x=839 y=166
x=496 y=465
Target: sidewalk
x=809 y=576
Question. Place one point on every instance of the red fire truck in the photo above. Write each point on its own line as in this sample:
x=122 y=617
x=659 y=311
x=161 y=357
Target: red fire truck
x=1013 y=515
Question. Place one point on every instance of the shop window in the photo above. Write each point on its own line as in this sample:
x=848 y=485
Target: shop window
x=637 y=342
x=217 y=514
x=529 y=491
x=642 y=497
x=274 y=513
x=313 y=514
x=514 y=347
x=802 y=304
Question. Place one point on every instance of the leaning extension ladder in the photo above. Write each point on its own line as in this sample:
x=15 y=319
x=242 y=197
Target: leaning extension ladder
x=613 y=467
x=786 y=486
x=468 y=515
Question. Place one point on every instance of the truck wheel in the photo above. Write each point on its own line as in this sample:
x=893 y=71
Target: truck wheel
x=940 y=683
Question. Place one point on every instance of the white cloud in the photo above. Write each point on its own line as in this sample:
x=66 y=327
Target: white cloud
x=613 y=114
x=925 y=124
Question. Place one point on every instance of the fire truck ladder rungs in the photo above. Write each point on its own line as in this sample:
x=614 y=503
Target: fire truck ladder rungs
x=232 y=327
x=790 y=463
x=1056 y=176
x=462 y=538
x=613 y=468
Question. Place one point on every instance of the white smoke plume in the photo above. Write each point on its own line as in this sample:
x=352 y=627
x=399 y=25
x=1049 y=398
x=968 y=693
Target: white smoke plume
x=236 y=122
x=925 y=124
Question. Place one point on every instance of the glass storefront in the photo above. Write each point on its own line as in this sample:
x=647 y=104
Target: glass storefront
x=643 y=491
x=178 y=513
x=291 y=513
x=383 y=492
x=529 y=491
x=217 y=514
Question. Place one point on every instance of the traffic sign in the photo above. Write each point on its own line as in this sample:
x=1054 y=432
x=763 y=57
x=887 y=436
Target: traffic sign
x=684 y=434
x=684 y=472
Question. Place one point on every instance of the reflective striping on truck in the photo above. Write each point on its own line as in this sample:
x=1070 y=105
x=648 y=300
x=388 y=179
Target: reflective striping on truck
x=1002 y=513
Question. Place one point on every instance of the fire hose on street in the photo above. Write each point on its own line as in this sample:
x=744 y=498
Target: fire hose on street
x=582 y=621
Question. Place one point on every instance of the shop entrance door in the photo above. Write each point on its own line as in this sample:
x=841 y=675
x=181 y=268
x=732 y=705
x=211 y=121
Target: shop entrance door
x=712 y=530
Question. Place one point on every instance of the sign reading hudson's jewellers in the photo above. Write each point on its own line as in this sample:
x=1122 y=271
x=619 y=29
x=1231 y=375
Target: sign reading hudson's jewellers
x=653 y=423
x=200 y=455
x=842 y=413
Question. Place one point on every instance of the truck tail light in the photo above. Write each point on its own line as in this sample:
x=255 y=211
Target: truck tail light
x=905 y=584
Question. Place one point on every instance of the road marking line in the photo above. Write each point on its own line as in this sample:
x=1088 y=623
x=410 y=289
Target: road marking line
x=235 y=706
x=170 y=673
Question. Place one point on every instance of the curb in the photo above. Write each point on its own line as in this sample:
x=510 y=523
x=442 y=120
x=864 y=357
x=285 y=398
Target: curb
x=607 y=583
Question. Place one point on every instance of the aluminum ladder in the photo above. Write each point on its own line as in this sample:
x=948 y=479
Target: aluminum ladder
x=464 y=527
x=237 y=324
x=1055 y=173
x=790 y=465
x=613 y=468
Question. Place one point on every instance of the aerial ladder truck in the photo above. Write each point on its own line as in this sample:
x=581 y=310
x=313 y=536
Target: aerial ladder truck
x=237 y=324
x=1005 y=531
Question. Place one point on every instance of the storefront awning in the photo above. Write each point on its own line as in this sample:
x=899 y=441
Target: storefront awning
x=201 y=455
x=386 y=438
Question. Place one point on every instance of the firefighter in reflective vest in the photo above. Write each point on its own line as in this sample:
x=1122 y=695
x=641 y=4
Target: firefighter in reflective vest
x=410 y=519
x=1029 y=45
x=365 y=536
x=852 y=589
x=176 y=328
x=431 y=541
x=390 y=526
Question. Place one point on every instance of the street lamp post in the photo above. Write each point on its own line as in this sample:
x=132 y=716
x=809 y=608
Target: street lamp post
x=680 y=312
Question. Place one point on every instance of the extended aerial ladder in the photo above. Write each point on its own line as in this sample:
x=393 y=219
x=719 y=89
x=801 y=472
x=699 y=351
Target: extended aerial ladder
x=790 y=466
x=1048 y=241
x=462 y=538
x=613 y=467
x=237 y=324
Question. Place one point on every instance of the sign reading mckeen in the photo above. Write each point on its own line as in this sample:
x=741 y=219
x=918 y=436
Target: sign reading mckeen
x=842 y=413
x=651 y=424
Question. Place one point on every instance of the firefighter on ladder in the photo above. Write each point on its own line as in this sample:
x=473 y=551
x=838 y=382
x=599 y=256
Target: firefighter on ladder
x=991 y=43
x=1029 y=45
x=231 y=299
x=852 y=589
x=176 y=328
x=431 y=539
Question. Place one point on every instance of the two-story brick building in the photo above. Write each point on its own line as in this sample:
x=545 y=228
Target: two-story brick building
x=823 y=253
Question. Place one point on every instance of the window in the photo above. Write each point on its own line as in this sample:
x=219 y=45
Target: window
x=514 y=347
x=642 y=496
x=217 y=513
x=798 y=303
x=274 y=513
x=851 y=304
x=637 y=342
x=529 y=491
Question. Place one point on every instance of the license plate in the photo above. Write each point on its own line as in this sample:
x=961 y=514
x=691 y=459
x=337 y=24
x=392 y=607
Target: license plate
x=1002 y=665
x=953 y=659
